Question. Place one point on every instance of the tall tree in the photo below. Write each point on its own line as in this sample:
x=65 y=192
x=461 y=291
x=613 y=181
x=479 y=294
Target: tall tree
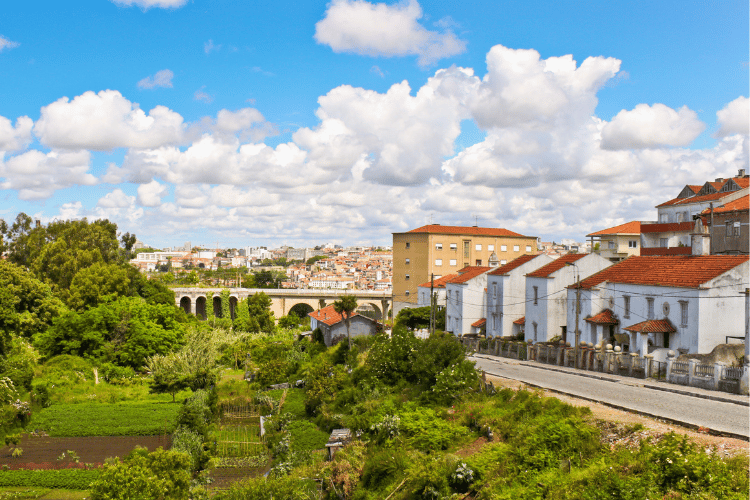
x=345 y=306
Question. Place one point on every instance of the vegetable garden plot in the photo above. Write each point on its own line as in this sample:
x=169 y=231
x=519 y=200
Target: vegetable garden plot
x=99 y=419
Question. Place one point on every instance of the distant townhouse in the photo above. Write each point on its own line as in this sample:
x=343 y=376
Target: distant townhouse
x=442 y=250
x=465 y=300
x=619 y=242
x=686 y=303
x=546 y=298
x=438 y=287
x=333 y=325
x=727 y=227
x=506 y=291
x=672 y=234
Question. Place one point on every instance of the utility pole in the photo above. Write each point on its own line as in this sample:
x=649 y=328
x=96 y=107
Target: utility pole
x=578 y=312
x=747 y=325
x=432 y=303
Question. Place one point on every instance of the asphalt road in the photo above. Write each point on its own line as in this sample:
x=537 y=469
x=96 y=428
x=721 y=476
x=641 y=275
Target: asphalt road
x=718 y=416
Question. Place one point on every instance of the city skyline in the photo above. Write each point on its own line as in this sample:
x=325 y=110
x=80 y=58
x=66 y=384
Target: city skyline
x=347 y=121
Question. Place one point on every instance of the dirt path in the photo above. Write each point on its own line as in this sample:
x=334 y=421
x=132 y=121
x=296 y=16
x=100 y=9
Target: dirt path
x=613 y=421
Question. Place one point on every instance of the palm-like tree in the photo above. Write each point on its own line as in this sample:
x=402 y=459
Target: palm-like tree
x=345 y=306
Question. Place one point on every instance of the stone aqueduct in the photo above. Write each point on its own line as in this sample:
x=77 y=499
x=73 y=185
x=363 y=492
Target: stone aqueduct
x=193 y=300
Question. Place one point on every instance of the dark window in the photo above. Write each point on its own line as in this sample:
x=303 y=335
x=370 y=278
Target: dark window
x=536 y=295
x=650 y=303
x=627 y=306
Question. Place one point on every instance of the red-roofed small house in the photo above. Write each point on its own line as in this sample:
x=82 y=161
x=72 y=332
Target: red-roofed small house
x=546 y=298
x=727 y=227
x=688 y=303
x=333 y=326
x=506 y=288
x=465 y=304
x=619 y=242
x=438 y=287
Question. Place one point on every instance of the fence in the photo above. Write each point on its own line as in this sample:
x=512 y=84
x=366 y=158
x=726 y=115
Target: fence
x=608 y=360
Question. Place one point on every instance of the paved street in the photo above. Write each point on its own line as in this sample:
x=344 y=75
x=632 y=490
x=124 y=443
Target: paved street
x=715 y=415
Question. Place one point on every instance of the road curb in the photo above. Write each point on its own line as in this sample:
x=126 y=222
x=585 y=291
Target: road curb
x=713 y=432
x=646 y=385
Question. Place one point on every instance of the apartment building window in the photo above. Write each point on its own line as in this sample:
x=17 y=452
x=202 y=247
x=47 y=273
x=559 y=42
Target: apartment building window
x=611 y=245
x=406 y=277
x=503 y=248
x=516 y=248
x=438 y=262
x=528 y=248
x=503 y=262
x=626 y=299
x=650 y=305
x=478 y=247
x=438 y=246
x=536 y=295
x=406 y=293
x=683 y=313
x=466 y=249
x=494 y=290
x=664 y=218
x=729 y=228
x=454 y=246
x=663 y=242
x=408 y=245
x=490 y=248
x=406 y=261
x=453 y=262
x=479 y=262
x=736 y=226
x=633 y=244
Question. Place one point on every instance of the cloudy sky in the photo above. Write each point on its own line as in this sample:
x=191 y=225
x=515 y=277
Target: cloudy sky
x=248 y=123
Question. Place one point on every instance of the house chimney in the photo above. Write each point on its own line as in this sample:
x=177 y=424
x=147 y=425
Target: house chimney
x=741 y=173
x=719 y=179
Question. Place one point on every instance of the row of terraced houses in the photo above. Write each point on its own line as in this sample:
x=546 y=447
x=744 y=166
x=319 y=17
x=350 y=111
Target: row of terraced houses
x=676 y=283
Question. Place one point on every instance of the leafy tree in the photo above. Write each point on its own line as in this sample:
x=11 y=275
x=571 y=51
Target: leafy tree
x=289 y=321
x=345 y=306
x=99 y=283
x=226 y=311
x=259 y=306
x=419 y=318
x=313 y=260
x=268 y=279
x=125 y=332
x=160 y=475
x=27 y=306
x=242 y=321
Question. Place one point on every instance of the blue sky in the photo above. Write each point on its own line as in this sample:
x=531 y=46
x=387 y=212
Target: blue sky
x=307 y=122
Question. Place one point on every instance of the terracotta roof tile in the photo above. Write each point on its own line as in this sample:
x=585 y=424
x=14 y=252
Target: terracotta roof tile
x=652 y=326
x=440 y=282
x=742 y=182
x=603 y=318
x=695 y=199
x=468 y=273
x=684 y=271
x=328 y=315
x=556 y=265
x=732 y=206
x=520 y=321
x=667 y=227
x=480 y=323
x=523 y=259
x=633 y=227
x=473 y=230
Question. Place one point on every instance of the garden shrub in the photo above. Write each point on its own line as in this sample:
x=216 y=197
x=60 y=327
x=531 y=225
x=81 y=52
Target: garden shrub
x=188 y=441
x=426 y=431
x=383 y=467
x=198 y=411
x=286 y=487
x=305 y=436
x=69 y=479
x=455 y=381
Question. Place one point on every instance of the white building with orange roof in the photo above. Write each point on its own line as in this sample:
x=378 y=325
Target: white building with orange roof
x=546 y=298
x=438 y=287
x=686 y=303
x=333 y=325
x=465 y=299
x=506 y=292
x=619 y=242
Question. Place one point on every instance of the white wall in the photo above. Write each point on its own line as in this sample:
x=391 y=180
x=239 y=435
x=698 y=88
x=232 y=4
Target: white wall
x=467 y=304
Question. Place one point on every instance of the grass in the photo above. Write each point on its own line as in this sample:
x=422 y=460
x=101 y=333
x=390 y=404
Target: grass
x=97 y=419
x=25 y=493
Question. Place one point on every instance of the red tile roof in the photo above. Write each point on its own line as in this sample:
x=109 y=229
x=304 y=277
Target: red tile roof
x=695 y=199
x=329 y=316
x=633 y=227
x=469 y=272
x=652 y=326
x=473 y=230
x=440 y=282
x=603 y=318
x=694 y=188
x=556 y=265
x=652 y=251
x=667 y=227
x=742 y=182
x=523 y=259
x=520 y=321
x=684 y=271
x=480 y=323
x=732 y=206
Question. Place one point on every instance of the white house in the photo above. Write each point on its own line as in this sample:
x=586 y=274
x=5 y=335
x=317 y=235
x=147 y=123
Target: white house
x=438 y=286
x=465 y=299
x=333 y=326
x=506 y=292
x=686 y=303
x=546 y=297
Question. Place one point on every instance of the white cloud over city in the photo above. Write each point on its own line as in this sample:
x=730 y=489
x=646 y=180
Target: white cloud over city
x=380 y=162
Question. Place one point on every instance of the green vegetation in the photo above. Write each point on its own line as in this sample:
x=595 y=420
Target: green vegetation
x=70 y=479
x=96 y=419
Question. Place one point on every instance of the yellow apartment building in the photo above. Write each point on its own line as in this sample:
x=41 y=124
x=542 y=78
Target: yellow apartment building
x=441 y=250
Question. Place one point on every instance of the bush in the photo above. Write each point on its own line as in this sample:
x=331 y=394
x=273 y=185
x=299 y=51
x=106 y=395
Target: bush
x=190 y=442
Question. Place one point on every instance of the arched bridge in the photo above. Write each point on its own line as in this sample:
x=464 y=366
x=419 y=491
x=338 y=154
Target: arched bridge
x=193 y=300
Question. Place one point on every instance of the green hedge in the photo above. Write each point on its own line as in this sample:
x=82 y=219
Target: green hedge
x=69 y=479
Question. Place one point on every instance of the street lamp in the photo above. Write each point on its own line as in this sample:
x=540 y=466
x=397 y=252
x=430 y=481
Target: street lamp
x=578 y=308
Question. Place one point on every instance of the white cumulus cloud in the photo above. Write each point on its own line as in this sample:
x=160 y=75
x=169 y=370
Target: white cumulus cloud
x=37 y=175
x=162 y=78
x=15 y=138
x=106 y=121
x=652 y=126
x=379 y=29
x=7 y=44
x=734 y=118
x=147 y=4
x=150 y=195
